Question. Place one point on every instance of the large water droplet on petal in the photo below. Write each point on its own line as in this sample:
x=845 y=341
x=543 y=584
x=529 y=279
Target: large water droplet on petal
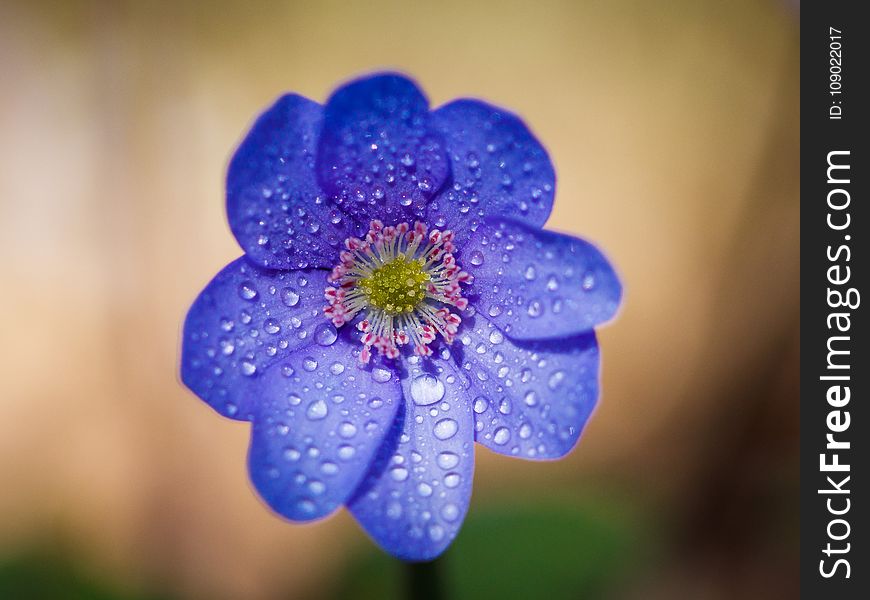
x=426 y=389
x=325 y=334
x=317 y=410
x=445 y=429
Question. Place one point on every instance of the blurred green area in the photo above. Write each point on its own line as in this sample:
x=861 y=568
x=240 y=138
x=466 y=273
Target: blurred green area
x=43 y=574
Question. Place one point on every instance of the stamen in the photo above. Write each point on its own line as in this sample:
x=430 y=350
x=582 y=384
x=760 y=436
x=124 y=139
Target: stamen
x=403 y=281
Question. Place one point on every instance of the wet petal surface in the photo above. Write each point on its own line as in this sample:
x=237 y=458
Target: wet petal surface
x=414 y=500
x=275 y=207
x=377 y=154
x=245 y=320
x=318 y=423
x=532 y=398
x=536 y=284
x=498 y=168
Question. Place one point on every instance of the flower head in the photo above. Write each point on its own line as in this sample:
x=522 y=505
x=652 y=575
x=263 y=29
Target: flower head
x=397 y=301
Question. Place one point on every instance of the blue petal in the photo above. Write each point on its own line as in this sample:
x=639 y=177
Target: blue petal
x=246 y=319
x=532 y=398
x=536 y=284
x=319 y=422
x=276 y=210
x=377 y=153
x=414 y=499
x=499 y=168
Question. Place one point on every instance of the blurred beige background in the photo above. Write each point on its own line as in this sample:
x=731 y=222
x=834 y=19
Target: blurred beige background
x=674 y=131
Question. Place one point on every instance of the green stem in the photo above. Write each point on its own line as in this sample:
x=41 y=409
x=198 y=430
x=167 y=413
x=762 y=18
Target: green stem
x=424 y=580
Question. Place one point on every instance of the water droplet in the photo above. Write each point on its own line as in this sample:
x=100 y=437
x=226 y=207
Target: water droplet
x=450 y=512
x=317 y=410
x=504 y=407
x=531 y=398
x=292 y=454
x=480 y=405
x=496 y=337
x=399 y=473
x=325 y=334
x=336 y=368
x=530 y=273
x=494 y=310
x=316 y=487
x=588 y=281
x=452 y=480
x=347 y=430
x=436 y=532
x=552 y=283
x=447 y=460
x=309 y=364
x=501 y=436
x=289 y=297
x=247 y=291
x=394 y=510
x=426 y=389
x=271 y=326
x=346 y=452
x=248 y=368
x=476 y=258
x=445 y=429
x=329 y=468
x=535 y=309
x=424 y=489
x=555 y=379
x=381 y=375
x=525 y=431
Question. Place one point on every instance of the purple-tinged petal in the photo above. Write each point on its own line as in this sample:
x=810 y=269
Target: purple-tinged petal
x=377 y=154
x=499 y=168
x=246 y=319
x=275 y=207
x=531 y=398
x=318 y=423
x=536 y=284
x=414 y=499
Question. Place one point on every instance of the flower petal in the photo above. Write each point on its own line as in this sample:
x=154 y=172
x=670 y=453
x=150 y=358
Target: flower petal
x=318 y=423
x=275 y=207
x=415 y=497
x=532 y=398
x=536 y=284
x=377 y=154
x=499 y=168
x=246 y=319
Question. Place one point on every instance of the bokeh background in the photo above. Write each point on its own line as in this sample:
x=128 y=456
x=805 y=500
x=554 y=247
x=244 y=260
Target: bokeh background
x=674 y=130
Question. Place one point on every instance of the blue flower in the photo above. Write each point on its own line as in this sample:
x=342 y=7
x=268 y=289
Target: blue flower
x=397 y=301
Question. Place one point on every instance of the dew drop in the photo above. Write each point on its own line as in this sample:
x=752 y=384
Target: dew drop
x=347 y=430
x=535 y=309
x=555 y=379
x=480 y=405
x=381 y=375
x=426 y=389
x=289 y=297
x=476 y=258
x=452 y=480
x=325 y=334
x=496 y=337
x=248 y=368
x=447 y=460
x=309 y=364
x=247 y=291
x=445 y=429
x=424 y=489
x=399 y=473
x=336 y=368
x=501 y=436
x=450 y=512
x=317 y=410
x=271 y=326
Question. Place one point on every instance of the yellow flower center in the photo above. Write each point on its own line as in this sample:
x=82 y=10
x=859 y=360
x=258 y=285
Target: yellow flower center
x=397 y=286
